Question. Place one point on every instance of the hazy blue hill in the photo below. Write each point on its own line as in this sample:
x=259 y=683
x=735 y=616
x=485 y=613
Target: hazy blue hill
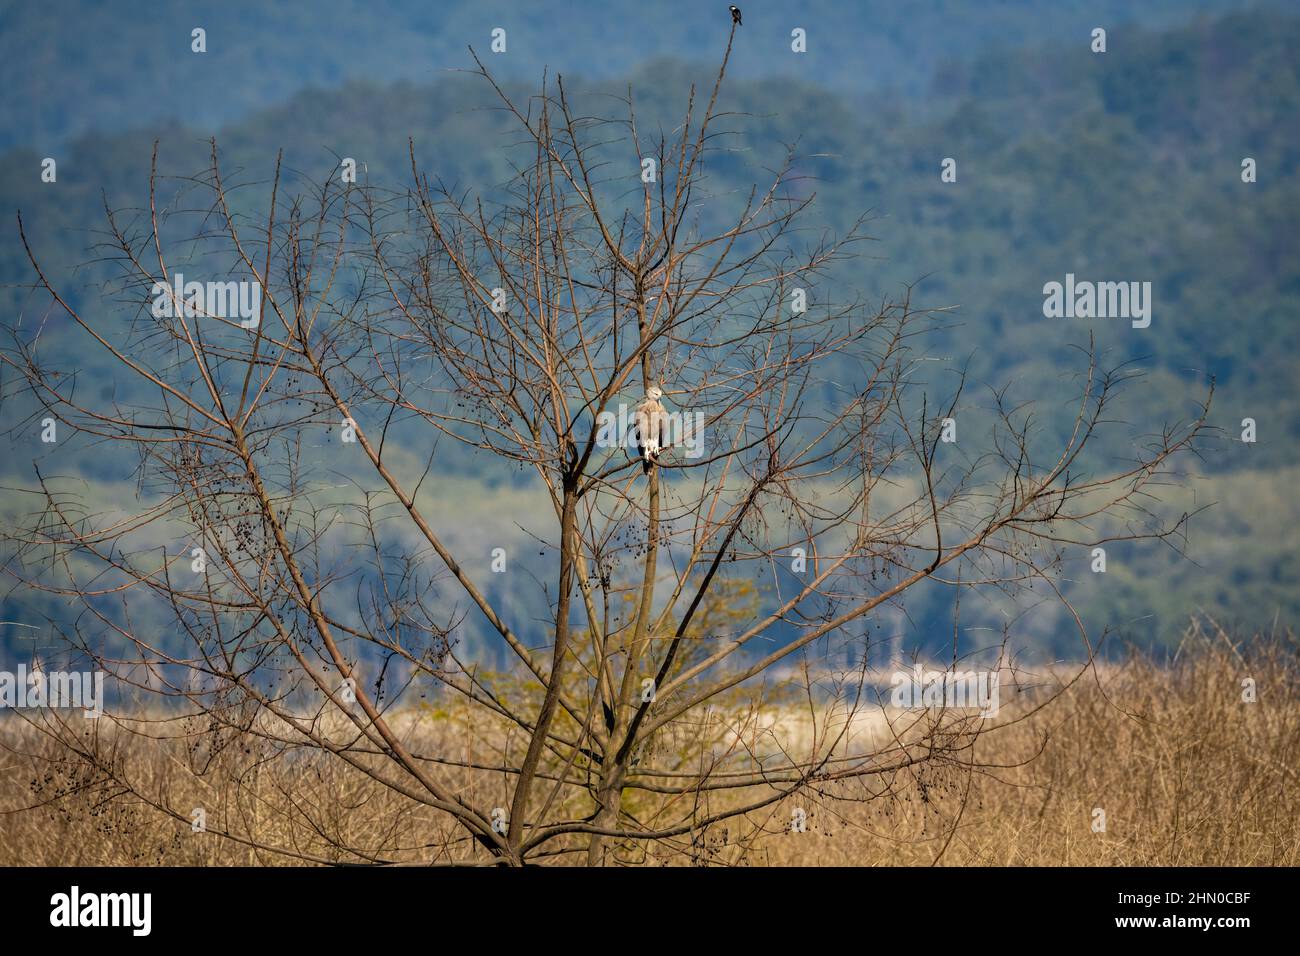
x=1121 y=166
x=75 y=65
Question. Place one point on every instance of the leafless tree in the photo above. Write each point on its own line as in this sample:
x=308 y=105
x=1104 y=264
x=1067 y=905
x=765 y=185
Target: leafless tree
x=518 y=323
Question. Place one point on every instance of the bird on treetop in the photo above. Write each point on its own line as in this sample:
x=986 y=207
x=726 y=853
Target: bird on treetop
x=735 y=15
x=651 y=421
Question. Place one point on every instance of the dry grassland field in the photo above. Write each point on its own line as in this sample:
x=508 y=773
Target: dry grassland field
x=1185 y=772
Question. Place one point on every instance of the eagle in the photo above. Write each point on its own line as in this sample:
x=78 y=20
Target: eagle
x=735 y=15
x=651 y=421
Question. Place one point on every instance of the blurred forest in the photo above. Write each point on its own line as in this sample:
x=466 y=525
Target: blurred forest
x=1122 y=166
x=78 y=65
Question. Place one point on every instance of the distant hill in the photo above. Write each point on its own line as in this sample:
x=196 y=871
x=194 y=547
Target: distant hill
x=73 y=66
x=1122 y=166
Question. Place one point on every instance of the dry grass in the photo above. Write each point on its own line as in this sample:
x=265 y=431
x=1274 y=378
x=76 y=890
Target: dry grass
x=1185 y=771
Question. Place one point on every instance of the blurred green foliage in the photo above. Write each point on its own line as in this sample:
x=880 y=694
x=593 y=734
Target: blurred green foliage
x=1122 y=166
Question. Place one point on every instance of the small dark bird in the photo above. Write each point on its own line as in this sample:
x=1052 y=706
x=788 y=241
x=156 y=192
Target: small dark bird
x=735 y=15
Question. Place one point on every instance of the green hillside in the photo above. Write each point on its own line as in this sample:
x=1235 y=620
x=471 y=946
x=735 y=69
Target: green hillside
x=1120 y=166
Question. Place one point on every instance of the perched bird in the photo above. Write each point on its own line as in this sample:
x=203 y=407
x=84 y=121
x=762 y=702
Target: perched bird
x=735 y=15
x=651 y=420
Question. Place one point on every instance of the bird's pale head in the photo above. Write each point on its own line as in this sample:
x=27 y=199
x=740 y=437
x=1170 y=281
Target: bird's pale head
x=654 y=393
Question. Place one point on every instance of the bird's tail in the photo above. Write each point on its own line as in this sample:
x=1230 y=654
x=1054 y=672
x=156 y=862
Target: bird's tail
x=645 y=466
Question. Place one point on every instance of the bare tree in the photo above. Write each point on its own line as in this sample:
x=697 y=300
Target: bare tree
x=523 y=324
